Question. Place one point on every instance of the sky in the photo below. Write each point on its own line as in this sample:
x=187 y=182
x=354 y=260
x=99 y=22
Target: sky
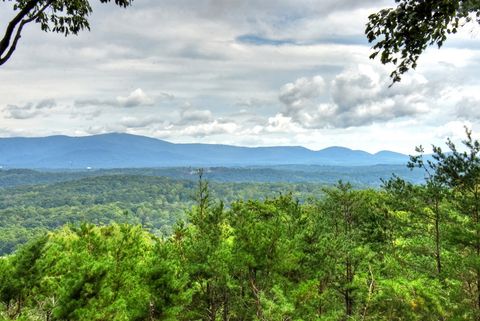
x=239 y=72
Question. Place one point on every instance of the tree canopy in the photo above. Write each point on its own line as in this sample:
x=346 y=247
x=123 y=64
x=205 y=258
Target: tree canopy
x=399 y=252
x=400 y=35
x=61 y=16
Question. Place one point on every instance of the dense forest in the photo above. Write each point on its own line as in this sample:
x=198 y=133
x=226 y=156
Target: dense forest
x=401 y=252
x=155 y=203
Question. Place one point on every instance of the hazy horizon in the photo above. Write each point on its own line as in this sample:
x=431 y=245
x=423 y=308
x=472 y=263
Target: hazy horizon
x=234 y=145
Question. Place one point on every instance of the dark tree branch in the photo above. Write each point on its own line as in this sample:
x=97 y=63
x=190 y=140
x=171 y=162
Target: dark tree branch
x=5 y=42
x=67 y=17
x=18 y=34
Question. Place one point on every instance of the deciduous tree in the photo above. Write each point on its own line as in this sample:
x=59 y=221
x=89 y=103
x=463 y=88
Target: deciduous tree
x=400 y=35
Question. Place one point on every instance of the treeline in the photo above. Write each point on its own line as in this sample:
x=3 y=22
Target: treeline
x=361 y=176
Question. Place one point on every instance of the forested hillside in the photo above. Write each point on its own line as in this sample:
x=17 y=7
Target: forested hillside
x=402 y=252
x=156 y=203
x=32 y=202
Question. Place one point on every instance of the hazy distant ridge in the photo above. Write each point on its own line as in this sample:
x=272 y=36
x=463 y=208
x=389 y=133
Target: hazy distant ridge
x=125 y=150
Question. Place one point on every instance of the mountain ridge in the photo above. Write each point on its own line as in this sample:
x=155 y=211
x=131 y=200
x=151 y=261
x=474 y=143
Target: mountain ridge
x=121 y=150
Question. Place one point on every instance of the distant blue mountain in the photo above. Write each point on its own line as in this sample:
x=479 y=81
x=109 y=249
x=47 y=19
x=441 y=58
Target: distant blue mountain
x=129 y=151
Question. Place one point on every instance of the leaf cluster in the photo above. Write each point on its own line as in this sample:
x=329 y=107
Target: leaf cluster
x=401 y=34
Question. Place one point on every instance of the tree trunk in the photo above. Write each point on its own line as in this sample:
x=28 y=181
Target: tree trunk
x=348 y=291
x=437 y=239
x=256 y=293
x=212 y=307
x=476 y=220
x=225 y=305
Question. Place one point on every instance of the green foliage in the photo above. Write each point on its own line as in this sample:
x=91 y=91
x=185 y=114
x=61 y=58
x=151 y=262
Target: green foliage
x=403 y=252
x=85 y=273
x=156 y=203
x=353 y=254
x=402 y=34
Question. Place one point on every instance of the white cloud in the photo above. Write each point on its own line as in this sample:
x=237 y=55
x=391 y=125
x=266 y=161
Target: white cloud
x=358 y=97
x=134 y=122
x=21 y=112
x=46 y=104
x=29 y=110
x=455 y=130
x=195 y=116
x=209 y=129
x=282 y=124
x=134 y=99
x=302 y=91
x=468 y=108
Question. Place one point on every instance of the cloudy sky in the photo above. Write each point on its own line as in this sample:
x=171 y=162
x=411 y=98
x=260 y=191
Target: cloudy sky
x=242 y=72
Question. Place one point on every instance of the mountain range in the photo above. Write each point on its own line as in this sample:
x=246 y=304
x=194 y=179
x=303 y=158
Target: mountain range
x=118 y=150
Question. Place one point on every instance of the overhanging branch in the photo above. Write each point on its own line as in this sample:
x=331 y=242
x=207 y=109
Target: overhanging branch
x=5 y=42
